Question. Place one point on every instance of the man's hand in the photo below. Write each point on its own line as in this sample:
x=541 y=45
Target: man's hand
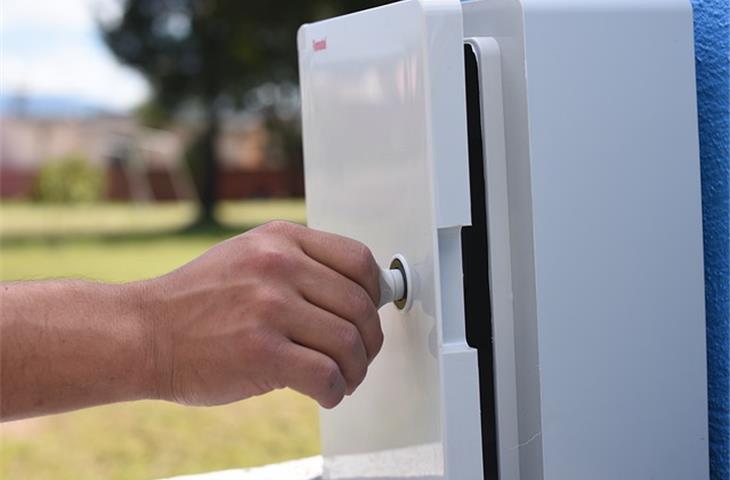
x=279 y=306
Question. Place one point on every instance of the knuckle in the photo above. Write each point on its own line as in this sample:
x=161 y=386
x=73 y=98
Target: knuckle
x=365 y=263
x=378 y=339
x=264 y=345
x=329 y=373
x=271 y=345
x=326 y=383
x=360 y=303
x=375 y=340
x=273 y=261
x=359 y=370
x=350 y=338
x=270 y=302
x=360 y=373
x=331 y=400
x=331 y=383
x=279 y=227
x=273 y=225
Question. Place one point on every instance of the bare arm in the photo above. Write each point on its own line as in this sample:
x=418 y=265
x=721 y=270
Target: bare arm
x=68 y=344
x=280 y=306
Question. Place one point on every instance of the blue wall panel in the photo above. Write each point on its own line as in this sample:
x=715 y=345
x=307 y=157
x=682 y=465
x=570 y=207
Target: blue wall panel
x=712 y=59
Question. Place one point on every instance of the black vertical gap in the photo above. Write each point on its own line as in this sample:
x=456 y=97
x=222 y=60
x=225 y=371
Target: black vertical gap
x=475 y=264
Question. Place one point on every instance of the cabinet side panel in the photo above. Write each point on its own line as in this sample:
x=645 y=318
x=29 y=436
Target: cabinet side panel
x=618 y=239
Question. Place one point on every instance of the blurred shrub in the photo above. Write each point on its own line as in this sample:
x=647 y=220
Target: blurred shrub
x=70 y=179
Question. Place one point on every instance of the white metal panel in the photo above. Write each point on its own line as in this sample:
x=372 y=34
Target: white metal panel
x=603 y=176
x=617 y=238
x=385 y=159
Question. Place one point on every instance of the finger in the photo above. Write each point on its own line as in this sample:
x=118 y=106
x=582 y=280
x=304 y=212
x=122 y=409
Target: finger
x=312 y=373
x=337 y=338
x=344 y=255
x=333 y=292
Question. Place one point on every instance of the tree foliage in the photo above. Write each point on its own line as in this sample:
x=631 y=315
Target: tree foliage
x=211 y=53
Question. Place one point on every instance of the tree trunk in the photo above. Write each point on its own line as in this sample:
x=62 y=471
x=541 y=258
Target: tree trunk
x=208 y=197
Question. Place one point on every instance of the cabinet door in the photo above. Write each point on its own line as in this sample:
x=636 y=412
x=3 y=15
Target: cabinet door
x=385 y=150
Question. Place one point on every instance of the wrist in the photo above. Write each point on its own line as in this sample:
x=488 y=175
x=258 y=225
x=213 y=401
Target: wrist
x=150 y=363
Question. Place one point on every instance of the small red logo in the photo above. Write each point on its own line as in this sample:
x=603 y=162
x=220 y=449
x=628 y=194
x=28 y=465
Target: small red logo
x=318 y=45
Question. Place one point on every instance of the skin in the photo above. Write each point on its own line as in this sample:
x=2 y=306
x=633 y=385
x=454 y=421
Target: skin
x=279 y=306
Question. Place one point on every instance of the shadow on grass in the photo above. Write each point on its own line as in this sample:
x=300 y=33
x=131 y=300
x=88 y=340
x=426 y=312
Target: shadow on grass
x=192 y=232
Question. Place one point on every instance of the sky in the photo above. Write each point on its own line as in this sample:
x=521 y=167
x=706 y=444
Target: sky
x=54 y=48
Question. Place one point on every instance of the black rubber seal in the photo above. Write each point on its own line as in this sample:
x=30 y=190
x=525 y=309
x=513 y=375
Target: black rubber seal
x=475 y=264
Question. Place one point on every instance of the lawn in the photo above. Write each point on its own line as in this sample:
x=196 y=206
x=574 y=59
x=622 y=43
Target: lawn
x=145 y=439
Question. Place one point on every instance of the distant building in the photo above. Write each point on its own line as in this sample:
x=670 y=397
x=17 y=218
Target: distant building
x=141 y=163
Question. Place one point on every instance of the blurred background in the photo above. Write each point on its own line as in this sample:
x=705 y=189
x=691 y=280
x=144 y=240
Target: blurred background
x=133 y=136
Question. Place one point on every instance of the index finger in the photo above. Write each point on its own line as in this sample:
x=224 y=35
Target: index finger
x=349 y=257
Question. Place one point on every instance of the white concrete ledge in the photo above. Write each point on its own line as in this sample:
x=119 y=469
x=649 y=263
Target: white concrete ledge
x=304 y=469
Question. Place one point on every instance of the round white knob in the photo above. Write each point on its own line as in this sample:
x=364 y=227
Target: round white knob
x=392 y=286
x=396 y=284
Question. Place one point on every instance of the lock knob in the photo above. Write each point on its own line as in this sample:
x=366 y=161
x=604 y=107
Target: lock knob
x=395 y=283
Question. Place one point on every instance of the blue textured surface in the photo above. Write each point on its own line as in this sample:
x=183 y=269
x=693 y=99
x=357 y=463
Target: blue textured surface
x=713 y=100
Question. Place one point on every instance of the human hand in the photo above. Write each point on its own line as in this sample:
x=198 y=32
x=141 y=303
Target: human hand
x=279 y=306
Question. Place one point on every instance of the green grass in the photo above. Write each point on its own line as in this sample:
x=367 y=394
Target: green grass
x=117 y=242
x=145 y=439
x=28 y=219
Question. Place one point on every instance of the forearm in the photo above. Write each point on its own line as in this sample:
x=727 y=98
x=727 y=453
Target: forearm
x=68 y=344
x=279 y=306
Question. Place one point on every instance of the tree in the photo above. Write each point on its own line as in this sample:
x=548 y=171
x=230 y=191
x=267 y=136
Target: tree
x=211 y=53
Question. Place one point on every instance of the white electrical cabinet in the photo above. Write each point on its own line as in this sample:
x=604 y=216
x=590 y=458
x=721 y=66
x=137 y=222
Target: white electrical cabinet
x=536 y=163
